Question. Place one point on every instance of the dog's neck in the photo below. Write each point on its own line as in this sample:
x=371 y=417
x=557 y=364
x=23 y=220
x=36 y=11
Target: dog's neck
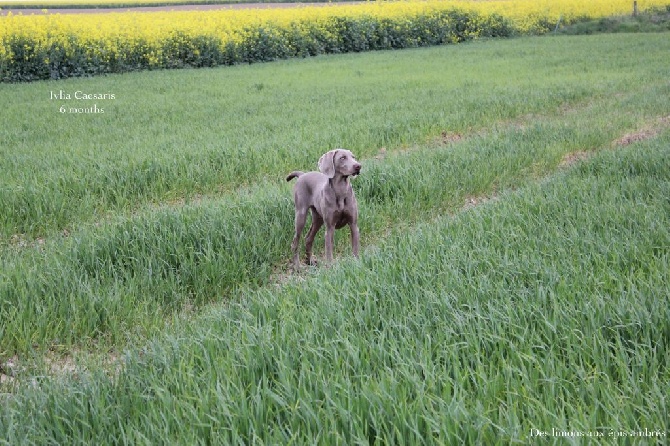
x=340 y=184
x=339 y=179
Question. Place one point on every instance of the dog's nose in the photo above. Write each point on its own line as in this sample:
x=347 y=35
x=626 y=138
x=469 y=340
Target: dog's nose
x=357 y=168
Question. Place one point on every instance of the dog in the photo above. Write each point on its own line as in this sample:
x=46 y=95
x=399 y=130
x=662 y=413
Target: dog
x=330 y=197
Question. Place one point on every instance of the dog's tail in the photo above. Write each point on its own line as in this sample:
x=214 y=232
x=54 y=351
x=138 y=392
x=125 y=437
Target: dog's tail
x=295 y=174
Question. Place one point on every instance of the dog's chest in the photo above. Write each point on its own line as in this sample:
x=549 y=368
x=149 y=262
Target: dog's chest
x=341 y=203
x=336 y=201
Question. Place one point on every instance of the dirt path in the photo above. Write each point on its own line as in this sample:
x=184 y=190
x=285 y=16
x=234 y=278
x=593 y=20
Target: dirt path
x=167 y=8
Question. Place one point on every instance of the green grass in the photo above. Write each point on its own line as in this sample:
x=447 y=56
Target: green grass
x=547 y=309
x=161 y=229
x=170 y=135
x=105 y=225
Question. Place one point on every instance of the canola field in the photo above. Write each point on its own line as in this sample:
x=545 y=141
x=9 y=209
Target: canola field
x=34 y=4
x=34 y=47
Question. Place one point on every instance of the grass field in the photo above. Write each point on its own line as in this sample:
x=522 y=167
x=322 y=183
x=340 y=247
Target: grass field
x=516 y=250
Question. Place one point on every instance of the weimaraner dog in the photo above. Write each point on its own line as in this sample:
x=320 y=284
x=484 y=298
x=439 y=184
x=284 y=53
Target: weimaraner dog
x=330 y=197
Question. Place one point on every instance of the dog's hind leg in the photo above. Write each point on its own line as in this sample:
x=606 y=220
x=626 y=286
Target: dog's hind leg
x=300 y=218
x=317 y=222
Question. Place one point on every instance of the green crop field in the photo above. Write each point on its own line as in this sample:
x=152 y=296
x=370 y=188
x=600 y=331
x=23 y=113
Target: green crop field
x=512 y=286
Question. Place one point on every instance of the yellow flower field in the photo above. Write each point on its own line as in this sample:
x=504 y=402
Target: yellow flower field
x=56 y=46
x=82 y=3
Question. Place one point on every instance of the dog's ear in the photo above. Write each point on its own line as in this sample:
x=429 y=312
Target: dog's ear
x=327 y=163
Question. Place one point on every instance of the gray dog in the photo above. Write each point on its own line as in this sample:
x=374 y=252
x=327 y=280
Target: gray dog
x=331 y=199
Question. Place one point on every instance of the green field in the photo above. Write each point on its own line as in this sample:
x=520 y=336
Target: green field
x=515 y=258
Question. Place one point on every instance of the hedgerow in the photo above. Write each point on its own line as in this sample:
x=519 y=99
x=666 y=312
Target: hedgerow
x=34 y=47
x=59 y=52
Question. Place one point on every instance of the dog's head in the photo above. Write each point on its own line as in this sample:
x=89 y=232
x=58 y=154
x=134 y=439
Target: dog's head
x=339 y=161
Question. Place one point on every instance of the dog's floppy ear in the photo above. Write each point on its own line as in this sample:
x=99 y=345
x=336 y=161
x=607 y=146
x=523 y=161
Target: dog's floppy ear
x=327 y=163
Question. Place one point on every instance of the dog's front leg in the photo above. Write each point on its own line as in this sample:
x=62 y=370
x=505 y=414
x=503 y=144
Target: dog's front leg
x=330 y=241
x=355 y=238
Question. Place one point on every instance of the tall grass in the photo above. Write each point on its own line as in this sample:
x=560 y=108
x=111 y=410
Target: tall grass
x=119 y=278
x=544 y=310
x=130 y=272
x=174 y=135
